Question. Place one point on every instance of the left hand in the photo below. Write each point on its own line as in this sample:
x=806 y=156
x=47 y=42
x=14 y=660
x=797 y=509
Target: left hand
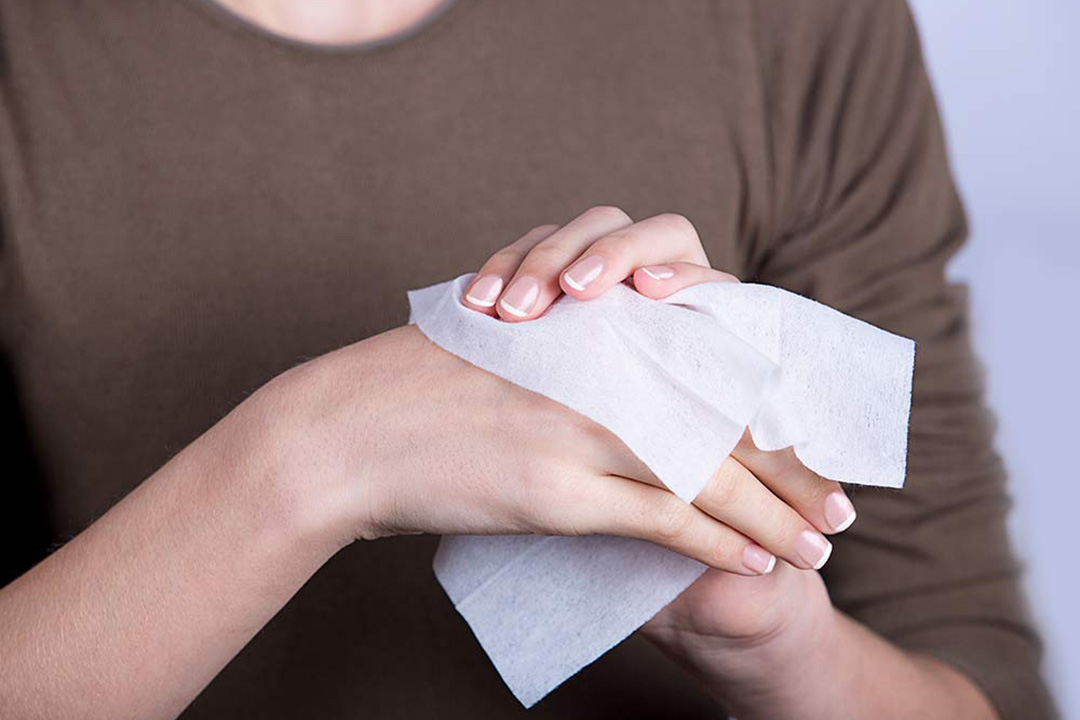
x=768 y=497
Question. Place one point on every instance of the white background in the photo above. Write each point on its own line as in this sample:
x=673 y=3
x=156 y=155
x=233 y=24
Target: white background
x=1007 y=74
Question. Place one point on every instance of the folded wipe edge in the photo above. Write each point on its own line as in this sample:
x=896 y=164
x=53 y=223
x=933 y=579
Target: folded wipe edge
x=650 y=578
x=687 y=489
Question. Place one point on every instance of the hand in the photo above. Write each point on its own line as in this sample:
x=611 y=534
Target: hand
x=586 y=258
x=403 y=437
x=764 y=639
x=726 y=625
x=783 y=510
x=744 y=636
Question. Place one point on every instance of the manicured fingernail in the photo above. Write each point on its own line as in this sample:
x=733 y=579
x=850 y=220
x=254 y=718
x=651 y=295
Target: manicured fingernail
x=521 y=296
x=659 y=272
x=757 y=559
x=839 y=512
x=585 y=272
x=485 y=291
x=813 y=548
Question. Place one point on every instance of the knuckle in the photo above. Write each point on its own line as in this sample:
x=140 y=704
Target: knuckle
x=545 y=256
x=728 y=277
x=808 y=489
x=722 y=550
x=531 y=239
x=609 y=213
x=685 y=235
x=783 y=527
x=541 y=230
x=820 y=488
x=535 y=503
x=593 y=432
x=609 y=244
x=534 y=237
x=726 y=489
x=546 y=417
x=670 y=521
x=679 y=225
x=509 y=256
x=785 y=533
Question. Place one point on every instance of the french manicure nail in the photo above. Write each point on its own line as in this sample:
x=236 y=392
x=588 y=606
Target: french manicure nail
x=758 y=559
x=813 y=548
x=521 y=296
x=585 y=272
x=485 y=291
x=659 y=272
x=839 y=512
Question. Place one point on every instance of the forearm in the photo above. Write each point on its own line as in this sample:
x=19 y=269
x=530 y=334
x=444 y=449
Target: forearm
x=836 y=669
x=137 y=614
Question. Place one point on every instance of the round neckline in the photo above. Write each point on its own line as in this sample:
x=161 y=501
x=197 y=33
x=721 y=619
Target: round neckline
x=219 y=13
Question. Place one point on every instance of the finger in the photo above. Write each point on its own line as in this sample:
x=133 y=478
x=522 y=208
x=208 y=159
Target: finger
x=736 y=498
x=821 y=501
x=535 y=284
x=500 y=267
x=659 y=281
x=617 y=506
x=611 y=259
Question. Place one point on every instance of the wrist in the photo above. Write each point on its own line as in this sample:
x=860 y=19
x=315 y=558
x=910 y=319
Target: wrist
x=777 y=645
x=780 y=675
x=843 y=670
x=789 y=660
x=275 y=448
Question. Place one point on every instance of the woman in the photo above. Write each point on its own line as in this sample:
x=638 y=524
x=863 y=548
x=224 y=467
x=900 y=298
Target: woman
x=200 y=193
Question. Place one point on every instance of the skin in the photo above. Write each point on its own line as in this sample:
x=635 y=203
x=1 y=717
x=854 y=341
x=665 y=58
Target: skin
x=140 y=611
x=135 y=615
x=334 y=22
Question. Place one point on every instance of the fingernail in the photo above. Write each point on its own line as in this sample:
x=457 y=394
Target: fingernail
x=839 y=512
x=659 y=272
x=485 y=291
x=585 y=272
x=758 y=559
x=521 y=296
x=813 y=548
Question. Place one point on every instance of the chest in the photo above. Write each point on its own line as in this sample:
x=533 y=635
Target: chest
x=203 y=220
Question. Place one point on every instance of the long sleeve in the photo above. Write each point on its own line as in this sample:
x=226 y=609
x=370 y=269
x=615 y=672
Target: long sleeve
x=865 y=218
x=24 y=527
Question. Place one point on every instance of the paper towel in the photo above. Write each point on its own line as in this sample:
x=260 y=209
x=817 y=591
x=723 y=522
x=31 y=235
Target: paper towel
x=708 y=362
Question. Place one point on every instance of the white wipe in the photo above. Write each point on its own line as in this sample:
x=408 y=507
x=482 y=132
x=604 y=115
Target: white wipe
x=678 y=381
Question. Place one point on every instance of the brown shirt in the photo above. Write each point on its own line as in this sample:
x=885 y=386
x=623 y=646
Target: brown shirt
x=190 y=206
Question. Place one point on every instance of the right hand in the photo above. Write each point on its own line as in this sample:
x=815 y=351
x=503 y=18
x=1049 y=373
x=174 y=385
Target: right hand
x=407 y=438
x=770 y=497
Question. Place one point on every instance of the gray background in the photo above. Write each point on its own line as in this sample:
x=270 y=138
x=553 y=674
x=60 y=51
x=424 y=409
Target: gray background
x=1007 y=74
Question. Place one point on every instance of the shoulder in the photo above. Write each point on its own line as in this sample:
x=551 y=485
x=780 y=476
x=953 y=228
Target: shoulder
x=802 y=34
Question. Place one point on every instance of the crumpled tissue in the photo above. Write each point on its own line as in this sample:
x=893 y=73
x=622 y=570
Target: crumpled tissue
x=707 y=362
